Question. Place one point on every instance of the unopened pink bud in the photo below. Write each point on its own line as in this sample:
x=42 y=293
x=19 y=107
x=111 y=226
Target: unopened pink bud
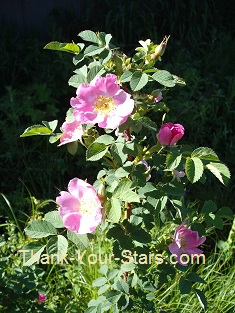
x=170 y=133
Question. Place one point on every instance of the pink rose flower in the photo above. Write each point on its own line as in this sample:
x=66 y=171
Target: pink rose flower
x=103 y=102
x=185 y=242
x=41 y=298
x=80 y=207
x=147 y=169
x=170 y=133
x=71 y=132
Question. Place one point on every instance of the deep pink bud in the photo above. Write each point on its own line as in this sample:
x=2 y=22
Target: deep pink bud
x=170 y=133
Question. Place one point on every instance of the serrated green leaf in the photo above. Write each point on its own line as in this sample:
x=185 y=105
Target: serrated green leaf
x=126 y=77
x=99 y=282
x=179 y=80
x=164 y=78
x=81 y=241
x=88 y=35
x=93 y=50
x=103 y=270
x=147 y=122
x=31 y=253
x=113 y=207
x=36 y=130
x=66 y=47
x=96 y=151
x=77 y=80
x=103 y=289
x=91 y=309
x=105 y=139
x=54 y=218
x=57 y=248
x=195 y=278
x=55 y=137
x=185 y=286
x=40 y=229
x=122 y=286
x=117 y=152
x=113 y=296
x=209 y=207
x=51 y=125
x=138 y=81
x=201 y=297
x=205 y=153
x=105 y=56
x=220 y=171
x=193 y=169
x=112 y=274
x=173 y=160
x=127 y=267
x=96 y=70
x=225 y=212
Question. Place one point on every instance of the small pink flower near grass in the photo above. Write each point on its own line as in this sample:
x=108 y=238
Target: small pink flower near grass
x=185 y=242
x=41 y=298
x=71 y=132
x=170 y=133
x=103 y=102
x=80 y=207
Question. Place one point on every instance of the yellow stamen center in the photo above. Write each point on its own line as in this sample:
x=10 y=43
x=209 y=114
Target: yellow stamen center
x=87 y=206
x=104 y=105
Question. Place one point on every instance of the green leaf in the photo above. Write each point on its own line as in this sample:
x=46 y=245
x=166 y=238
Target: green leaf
x=67 y=47
x=113 y=296
x=54 y=218
x=117 y=152
x=173 y=160
x=96 y=70
x=123 y=192
x=205 y=153
x=138 y=81
x=88 y=35
x=77 y=80
x=57 y=248
x=96 y=151
x=225 y=212
x=37 y=130
x=147 y=122
x=185 y=286
x=31 y=253
x=103 y=270
x=52 y=125
x=127 y=267
x=103 y=289
x=195 y=278
x=105 y=139
x=112 y=274
x=99 y=282
x=113 y=207
x=193 y=169
x=126 y=77
x=81 y=241
x=91 y=309
x=201 y=297
x=220 y=171
x=105 y=56
x=122 y=286
x=93 y=50
x=209 y=207
x=164 y=78
x=40 y=229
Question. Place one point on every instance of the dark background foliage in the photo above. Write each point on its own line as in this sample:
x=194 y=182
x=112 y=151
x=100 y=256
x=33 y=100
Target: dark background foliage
x=33 y=84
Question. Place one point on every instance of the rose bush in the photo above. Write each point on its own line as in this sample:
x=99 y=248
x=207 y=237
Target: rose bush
x=139 y=211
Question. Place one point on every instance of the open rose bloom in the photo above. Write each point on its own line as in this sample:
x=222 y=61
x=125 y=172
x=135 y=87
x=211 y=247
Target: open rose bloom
x=185 y=242
x=103 y=102
x=80 y=207
x=170 y=133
